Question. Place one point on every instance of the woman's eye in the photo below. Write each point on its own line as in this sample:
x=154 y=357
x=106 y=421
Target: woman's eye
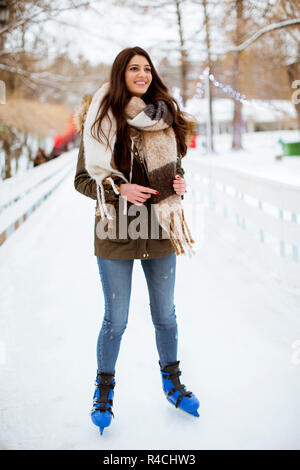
x=146 y=70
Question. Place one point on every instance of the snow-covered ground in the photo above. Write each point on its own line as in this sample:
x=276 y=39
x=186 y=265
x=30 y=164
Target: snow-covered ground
x=258 y=156
x=239 y=340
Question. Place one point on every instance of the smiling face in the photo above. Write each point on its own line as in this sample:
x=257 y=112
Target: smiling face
x=138 y=75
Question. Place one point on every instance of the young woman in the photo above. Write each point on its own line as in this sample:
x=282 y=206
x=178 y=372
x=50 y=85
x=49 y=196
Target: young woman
x=133 y=138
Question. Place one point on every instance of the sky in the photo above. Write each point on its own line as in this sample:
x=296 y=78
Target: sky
x=102 y=31
x=100 y=37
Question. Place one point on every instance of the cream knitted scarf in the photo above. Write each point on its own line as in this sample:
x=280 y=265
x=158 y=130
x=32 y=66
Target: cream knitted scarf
x=154 y=123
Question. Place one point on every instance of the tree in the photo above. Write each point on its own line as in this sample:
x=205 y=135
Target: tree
x=24 y=18
x=261 y=39
x=210 y=143
x=183 y=50
x=237 y=113
x=172 y=12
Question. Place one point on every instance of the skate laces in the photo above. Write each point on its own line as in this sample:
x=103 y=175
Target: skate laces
x=104 y=386
x=174 y=377
x=177 y=386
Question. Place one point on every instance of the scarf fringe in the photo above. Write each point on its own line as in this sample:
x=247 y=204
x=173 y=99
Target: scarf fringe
x=177 y=238
x=101 y=202
x=113 y=185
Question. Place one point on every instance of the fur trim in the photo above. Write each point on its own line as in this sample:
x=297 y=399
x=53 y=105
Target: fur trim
x=191 y=122
x=80 y=113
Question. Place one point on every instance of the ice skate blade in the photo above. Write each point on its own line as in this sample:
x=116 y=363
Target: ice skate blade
x=193 y=413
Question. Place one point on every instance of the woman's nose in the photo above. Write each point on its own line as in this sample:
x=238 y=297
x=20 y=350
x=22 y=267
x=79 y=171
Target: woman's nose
x=142 y=75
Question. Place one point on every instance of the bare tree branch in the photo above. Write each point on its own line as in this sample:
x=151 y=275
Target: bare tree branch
x=26 y=18
x=46 y=78
x=261 y=32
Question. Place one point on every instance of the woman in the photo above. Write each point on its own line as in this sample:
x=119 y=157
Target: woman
x=133 y=138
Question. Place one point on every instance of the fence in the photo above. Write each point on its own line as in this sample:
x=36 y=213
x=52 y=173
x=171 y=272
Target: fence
x=21 y=195
x=258 y=215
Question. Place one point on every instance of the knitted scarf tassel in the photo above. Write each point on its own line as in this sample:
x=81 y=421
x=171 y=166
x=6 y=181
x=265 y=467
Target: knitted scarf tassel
x=102 y=207
x=178 y=232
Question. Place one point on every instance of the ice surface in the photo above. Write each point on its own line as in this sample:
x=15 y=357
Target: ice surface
x=237 y=347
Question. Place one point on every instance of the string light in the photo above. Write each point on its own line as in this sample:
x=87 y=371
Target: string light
x=200 y=89
x=177 y=95
x=237 y=96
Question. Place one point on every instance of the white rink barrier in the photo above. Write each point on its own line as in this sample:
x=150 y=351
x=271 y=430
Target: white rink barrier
x=21 y=195
x=259 y=216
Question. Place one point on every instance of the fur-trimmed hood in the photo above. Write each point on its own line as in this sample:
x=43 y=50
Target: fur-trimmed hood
x=81 y=112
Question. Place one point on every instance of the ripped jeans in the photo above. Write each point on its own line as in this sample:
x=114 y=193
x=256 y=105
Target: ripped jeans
x=116 y=275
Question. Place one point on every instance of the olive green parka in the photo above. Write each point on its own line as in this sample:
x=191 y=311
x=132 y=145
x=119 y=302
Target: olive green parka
x=124 y=248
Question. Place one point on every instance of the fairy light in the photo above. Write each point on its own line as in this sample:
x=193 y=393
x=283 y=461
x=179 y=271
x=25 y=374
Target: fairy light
x=237 y=96
x=227 y=89
x=200 y=89
x=177 y=95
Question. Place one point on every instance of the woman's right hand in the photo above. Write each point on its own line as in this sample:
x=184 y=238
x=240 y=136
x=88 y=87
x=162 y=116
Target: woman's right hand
x=136 y=193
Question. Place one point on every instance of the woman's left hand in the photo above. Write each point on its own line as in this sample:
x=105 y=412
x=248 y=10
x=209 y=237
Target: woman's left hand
x=179 y=185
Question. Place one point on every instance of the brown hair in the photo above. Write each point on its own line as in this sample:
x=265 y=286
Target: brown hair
x=117 y=98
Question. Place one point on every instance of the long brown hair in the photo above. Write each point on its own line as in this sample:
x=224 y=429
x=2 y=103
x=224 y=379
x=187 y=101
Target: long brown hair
x=117 y=98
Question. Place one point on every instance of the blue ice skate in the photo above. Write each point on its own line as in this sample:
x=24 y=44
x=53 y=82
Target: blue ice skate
x=101 y=412
x=176 y=392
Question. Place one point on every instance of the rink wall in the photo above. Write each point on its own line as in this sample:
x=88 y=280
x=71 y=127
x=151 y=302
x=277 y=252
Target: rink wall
x=21 y=195
x=257 y=215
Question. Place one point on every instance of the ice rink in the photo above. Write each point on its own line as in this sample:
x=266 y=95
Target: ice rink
x=238 y=345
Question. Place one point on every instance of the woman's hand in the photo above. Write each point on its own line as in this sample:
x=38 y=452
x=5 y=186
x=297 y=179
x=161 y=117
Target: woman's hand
x=136 y=193
x=179 y=185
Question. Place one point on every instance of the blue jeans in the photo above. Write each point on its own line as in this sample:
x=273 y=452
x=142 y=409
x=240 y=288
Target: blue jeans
x=116 y=275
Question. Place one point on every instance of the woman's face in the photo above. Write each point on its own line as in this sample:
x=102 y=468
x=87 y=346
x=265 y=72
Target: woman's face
x=138 y=75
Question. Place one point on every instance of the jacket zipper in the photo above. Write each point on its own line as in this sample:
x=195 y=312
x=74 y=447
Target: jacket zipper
x=146 y=171
x=142 y=162
x=144 y=157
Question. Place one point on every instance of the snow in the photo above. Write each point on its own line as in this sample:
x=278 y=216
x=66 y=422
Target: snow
x=257 y=157
x=238 y=332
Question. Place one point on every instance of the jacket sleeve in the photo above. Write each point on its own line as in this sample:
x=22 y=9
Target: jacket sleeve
x=87 y=185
